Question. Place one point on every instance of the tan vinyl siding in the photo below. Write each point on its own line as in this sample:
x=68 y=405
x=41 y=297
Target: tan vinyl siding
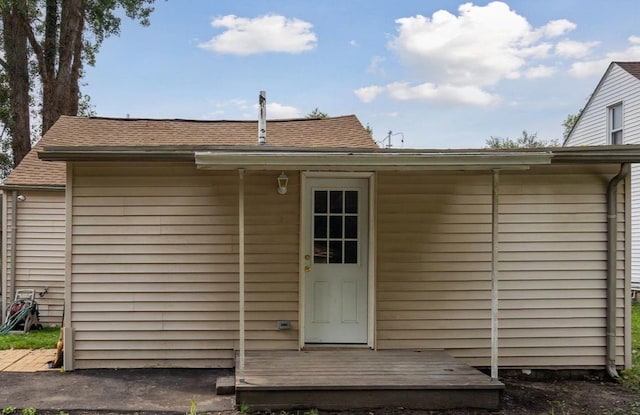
x=553 y=291
x=271 y=256
x=434 y=265
x=40 y=243
x=155 y=265
x=434 y=262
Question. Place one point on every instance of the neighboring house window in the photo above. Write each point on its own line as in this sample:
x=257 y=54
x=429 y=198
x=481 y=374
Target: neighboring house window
x=615 y=124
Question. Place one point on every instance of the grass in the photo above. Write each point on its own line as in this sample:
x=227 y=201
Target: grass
x=36 y=339
x=631 y=377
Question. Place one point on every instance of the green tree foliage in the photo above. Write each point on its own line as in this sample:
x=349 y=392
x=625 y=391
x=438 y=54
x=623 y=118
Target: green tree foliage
x=526 y=140
x=44 y=47
x=369 y=130
x=316 y=113
x=569 y=123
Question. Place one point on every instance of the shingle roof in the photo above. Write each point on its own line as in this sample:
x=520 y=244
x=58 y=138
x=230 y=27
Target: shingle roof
x=333 y=132
x=34 y=172
x=632 y=67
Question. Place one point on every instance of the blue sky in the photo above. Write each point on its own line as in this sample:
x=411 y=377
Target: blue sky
x=444 y=74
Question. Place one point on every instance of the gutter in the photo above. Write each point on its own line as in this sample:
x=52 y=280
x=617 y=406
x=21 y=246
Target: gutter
x=612 y=228
x=52 y=187
x=357 y=161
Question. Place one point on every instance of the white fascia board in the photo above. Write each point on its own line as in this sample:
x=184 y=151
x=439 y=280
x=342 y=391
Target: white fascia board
x=214 y=160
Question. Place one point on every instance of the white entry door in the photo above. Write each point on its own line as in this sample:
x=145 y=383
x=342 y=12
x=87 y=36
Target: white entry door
x=335 y=260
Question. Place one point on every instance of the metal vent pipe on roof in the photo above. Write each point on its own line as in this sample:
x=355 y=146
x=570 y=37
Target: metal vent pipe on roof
x=262 y=122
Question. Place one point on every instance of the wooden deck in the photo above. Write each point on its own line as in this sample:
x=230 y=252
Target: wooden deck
x=357 y=378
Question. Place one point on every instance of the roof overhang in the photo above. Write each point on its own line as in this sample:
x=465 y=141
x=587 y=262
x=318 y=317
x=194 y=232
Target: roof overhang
x=48 y=187
x=356 y=161
x=114 y=153
x=270 y=158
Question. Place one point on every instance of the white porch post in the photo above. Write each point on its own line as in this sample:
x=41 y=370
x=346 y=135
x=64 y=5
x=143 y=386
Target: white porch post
x=241 y=270
x=495 y=200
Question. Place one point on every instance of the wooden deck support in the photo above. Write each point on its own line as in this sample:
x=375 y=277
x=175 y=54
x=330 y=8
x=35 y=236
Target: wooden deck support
x=363 y=379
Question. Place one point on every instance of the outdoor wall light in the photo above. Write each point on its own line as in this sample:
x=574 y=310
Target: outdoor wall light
x=283 y=180
x=21 y=198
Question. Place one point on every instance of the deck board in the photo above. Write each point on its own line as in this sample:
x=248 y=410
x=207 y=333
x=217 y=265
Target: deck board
x=360 y=378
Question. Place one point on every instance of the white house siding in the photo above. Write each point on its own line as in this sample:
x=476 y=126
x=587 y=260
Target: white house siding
x=40 y=244
x=617 y=86
x=635 y=224
x=434 y=263
x=155 y=265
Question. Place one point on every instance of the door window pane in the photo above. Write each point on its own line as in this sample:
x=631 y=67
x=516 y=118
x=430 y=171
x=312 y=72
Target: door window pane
x=351 y=252
x=351 y=201
x=320 y=201
x=319 y=252
x=336 y=201
x=335 y=252
x=351 y=227
x=335 y=227
x=319 y=226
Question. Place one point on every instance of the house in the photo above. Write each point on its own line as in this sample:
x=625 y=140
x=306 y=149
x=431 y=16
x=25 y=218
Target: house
x=612 y=117
x=33 y=232
x=188 y=244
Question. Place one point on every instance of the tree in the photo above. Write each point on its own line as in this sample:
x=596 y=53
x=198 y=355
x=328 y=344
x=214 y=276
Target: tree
x=569 y=123
x=316 y=113
x=369 y=130
x=526 y=140
x=45 y=44
x=15 y=64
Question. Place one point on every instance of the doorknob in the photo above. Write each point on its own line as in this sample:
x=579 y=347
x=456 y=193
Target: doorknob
x=307 y=268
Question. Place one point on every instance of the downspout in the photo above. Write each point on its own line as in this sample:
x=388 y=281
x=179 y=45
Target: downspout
x=14 y=238
x=612 y=229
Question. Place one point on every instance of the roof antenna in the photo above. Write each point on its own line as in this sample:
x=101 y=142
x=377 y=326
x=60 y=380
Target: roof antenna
x=387 y=139
x=262 y=121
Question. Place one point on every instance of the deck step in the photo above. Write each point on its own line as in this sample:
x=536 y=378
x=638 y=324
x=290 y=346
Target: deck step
x=342 y=400
x=226 y=385
x=363 y=379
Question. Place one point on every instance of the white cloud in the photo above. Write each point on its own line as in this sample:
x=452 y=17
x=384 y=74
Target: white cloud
x=540 y=71
x=450 y=94
x=276 y=110
x=269 y=33
x=480 y=46
x=537 y=51
x=353 y=43
x=596 y=67
x=456 y=58
x=589 y=68
x=556 y=28
x=573 y=49
x=368 y=93
x=374 y=66
x=240 y=108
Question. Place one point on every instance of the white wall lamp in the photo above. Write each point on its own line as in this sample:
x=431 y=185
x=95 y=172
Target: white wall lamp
x=283 y=180
x=21 y=198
